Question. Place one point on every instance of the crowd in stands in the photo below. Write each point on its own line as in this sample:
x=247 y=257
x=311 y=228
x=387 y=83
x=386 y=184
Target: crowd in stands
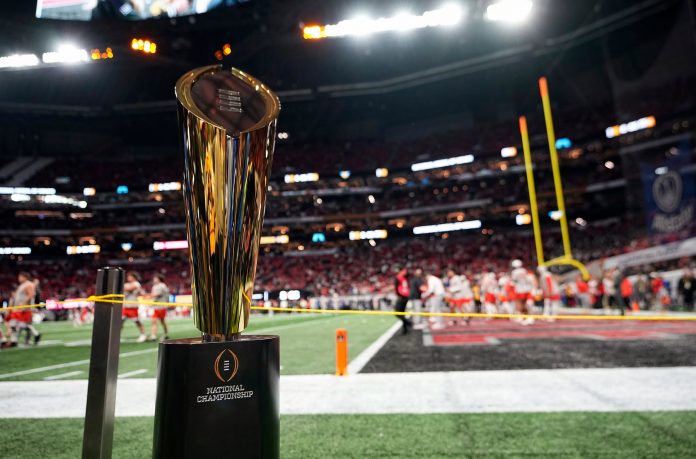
x=352 y=267
x=344 y=268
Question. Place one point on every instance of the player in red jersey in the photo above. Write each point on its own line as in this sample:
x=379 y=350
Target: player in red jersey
x=132 y=289
x=524 y=286
x=552 y=292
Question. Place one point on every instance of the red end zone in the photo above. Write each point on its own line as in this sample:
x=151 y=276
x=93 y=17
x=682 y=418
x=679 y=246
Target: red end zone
x=495 y=331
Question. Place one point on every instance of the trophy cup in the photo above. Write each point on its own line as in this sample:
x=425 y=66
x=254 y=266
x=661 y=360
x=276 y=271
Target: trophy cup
x=217 y=395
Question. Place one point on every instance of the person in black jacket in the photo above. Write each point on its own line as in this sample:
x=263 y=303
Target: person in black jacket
x=686 y=289
x=403 y=292
x=415 y=281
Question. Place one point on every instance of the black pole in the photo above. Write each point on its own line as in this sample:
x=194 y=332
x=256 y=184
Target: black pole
x=103 y=368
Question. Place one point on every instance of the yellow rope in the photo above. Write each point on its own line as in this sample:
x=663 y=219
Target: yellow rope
x=109 y=299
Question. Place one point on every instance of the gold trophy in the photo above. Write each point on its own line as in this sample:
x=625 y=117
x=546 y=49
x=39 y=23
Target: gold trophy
x=219 y=393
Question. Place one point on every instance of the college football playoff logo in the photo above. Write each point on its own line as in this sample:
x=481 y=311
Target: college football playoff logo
x=667 y=191
x=226 y=365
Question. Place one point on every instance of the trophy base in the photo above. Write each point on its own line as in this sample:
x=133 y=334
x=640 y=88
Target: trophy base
x=218 y=399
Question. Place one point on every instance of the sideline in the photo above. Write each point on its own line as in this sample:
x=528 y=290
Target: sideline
x=596 y=389
x=357 y=364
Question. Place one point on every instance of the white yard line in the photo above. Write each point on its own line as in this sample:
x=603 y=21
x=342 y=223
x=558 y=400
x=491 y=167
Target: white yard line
x=76 y=363
x=357 y=364
x=128 y=374
x=596 y=389
x=82 y=342
x=63 y=375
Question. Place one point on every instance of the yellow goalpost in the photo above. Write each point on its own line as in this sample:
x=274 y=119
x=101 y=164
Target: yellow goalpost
x=567 y=258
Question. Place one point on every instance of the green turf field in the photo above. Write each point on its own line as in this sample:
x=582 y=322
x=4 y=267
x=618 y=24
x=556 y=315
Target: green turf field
x=307 y=346
x=581 y=435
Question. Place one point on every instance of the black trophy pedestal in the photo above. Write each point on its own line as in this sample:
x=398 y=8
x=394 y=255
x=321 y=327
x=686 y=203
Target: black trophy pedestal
x=218 y=399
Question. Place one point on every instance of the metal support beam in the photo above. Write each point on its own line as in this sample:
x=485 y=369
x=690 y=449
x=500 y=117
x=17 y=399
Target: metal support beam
x=98 y=435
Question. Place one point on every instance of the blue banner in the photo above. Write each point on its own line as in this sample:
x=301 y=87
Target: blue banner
x=668 y=189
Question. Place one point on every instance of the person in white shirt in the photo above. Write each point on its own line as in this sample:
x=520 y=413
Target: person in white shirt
x=160 y=294
x=21 y=319
x=524 y=285
x=132 y=290
x=609 y=287
x=433 y=296
x=459 y=295
x=489 y=290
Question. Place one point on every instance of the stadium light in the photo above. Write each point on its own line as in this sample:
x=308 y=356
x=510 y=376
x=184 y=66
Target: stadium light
x=280 y=239
x=58 y=199
x=299 y=178
x=66 y=54
x=563 y=142
x=146 y=46
x=555 y=215
x=368 y=234
x=83 y=249
x=512 y=11
x=168 y=186
x=448 y=15
x=447 y=162
x=446 y=227
x=523 y=219
x=97 y=54
x=508 y=152
x=19 y=60
x=17 y=197
x=170 y=245
x=26 y=190
x=633 y=126
x=15 y=250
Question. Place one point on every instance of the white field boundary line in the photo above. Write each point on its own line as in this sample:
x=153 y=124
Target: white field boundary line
x=128 y=374
x=357 y=364
x=77 y=363
x=176 y=324
x=63 y=375
x=485 y=391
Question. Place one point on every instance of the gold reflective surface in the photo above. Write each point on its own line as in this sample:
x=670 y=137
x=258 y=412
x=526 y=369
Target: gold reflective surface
x=226 y=176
